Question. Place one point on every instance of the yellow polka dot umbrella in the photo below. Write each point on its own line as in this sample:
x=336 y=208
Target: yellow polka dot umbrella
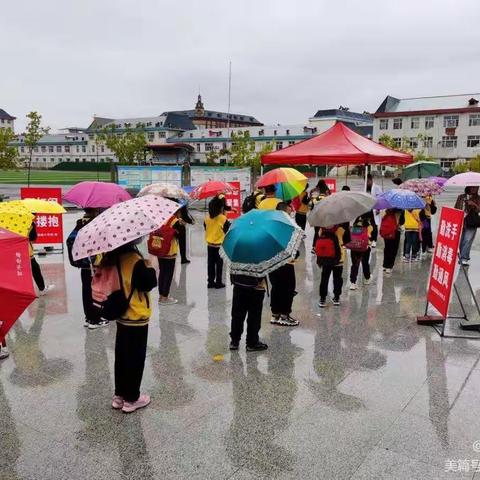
x=15 y=218
x=36 y=205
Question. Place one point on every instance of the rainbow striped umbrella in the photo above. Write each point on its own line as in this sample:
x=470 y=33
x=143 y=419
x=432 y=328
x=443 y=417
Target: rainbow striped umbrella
x=290 y=183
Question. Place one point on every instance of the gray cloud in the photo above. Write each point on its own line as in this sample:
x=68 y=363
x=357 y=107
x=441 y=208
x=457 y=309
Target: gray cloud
x=71 y=59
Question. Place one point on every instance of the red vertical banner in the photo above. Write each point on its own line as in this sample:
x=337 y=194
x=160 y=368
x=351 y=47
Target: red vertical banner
x=234 y=200
x=49 y=226
x=442 y=274
x=331 y=184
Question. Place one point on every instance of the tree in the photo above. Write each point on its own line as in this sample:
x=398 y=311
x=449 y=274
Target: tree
x=8 y=154
x=470 y=166
x=129 y=146
x=33 y=134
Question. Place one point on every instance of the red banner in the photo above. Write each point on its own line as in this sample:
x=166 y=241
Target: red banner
x=234 y=200
x=331 y=184
x=442 y=274
x=49 y=225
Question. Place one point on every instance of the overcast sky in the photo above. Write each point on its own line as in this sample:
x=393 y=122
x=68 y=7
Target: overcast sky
x=70 y=59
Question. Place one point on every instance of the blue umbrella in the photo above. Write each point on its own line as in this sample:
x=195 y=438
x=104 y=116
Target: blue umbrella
x=261 y=241
x=398 y=198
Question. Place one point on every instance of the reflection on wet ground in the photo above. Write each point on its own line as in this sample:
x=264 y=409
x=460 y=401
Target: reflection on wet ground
x=357 y=391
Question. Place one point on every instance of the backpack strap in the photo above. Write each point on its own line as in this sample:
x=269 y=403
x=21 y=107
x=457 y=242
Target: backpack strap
x=132 y=290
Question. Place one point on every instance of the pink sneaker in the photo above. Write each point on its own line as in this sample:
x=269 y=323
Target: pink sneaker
x=117 y=402
x=143 y=401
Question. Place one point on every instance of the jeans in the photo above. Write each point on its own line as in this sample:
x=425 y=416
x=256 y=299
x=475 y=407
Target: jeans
x=337 y=271
x=37 y=274
x=215 y=266
x=246 y=303
x=391 y=250
x=165 y=276
x=283 y=289
x=411 y=245
x=357 y=259
x=468 y=236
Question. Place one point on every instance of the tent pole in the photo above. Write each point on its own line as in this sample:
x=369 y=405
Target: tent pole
x=346 y=177
x=366 y=174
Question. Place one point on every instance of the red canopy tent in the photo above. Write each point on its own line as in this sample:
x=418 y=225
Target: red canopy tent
x=339 y=145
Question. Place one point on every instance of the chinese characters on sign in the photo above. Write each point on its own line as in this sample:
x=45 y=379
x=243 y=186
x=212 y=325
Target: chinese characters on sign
x=49 y=225
x=445 y=259
x=331 y=184
x=234 y=200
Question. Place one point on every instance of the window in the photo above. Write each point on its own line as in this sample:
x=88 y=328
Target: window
x=278 y=145
x=208 y=147
x=428 y=142
x=84 y=149
x=474 y=120
x=52 y=159
x=67 y=148
x=161 y=134
x=59 y=148
x=151 y=136
x=413 y=142
x=102 y=148
x=384 y=124
x=45 y=160
x=415 y=122
x=93 y=148
x=447 y=164
x=43 y=148
x=35 y=149
x=397 y=142
x=397 y=123
x=76 y=160
x=224 y=146
x=22 y=149
x=92 y=159
x=274 y=132
x=291 y=142
x=449 y=141
x=287 y=132
x=429 y=122
x=50 y=148
x=450 y=121
x=473 y=140
x=198 y=147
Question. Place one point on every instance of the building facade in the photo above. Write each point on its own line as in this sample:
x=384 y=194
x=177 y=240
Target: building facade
x=446 y=128
x=362 y=123
x=6 y=120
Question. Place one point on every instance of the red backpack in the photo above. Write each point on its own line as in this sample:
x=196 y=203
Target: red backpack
x=359 y=239
x=389 y=226
x=160 y=241
x=327 y=248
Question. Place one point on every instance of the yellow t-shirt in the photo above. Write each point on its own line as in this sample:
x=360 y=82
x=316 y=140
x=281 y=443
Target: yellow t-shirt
x=303 y=208
x=214 y=233
x=269 y=203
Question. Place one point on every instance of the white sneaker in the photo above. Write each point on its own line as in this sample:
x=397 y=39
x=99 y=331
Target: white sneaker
x=387 y=270
x=367 y=281
x=465 y=263
x=94 y=326
x=4 y=353
x=353 y=286
x=374 y=244
x=48 y=288
x=167 y=301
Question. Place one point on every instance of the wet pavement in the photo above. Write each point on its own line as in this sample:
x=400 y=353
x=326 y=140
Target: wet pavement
x=357 y=391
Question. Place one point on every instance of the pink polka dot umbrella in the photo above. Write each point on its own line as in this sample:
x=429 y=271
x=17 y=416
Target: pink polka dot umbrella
x=121 y=224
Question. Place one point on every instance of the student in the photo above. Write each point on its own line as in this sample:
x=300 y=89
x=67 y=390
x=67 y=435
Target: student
x=469 y=202
x=4 y=353
x=316 y=195
x=339 y=235
x=390 y=226
x=367 y=221
x=216 y=226
x=374 y=190
x=300 y=204
x=269 y=201
x=427 y=238
x=247 y=303
x=36 y=272
x=413 y=225
x=182 y=233
x=283 y=287
x=138 y=278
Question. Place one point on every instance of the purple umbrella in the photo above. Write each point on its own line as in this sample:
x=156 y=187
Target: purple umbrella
x=96 y=194
x=440 y=181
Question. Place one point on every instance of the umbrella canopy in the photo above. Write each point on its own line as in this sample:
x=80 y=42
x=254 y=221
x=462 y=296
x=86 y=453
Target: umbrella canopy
x=399 y=198
x=468 y=179
x=121 y=224
x=288 y=182
x=421 y=169
x=422 y=187
x=210 y=189
x=16 y=284
x=96 y=194
x=261 y=241
x=440 y=181
x=167 y=190
x=15 y=218
x=340 y=207
x=339 y=145
x=36 y=205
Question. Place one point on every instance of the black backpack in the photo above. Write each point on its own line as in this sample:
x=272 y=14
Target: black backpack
x=250 y=202
x=82 y=263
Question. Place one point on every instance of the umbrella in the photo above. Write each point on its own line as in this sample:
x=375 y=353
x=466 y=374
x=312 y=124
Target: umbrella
x=96 y=194
x=16 y=218
x=399 y=198
x=210 y=189
x=121 y=224
x=167 y=190
x=438 y=180
x=261 y=241
x=340 y=207
x=288 y=181
x=36 y=205
x=422 y=187
x=421 y=169
x=468 y=179
x=16 y=285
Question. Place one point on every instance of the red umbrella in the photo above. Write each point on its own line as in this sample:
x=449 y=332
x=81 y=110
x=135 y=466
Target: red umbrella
x=210 y=189
x=16 y=284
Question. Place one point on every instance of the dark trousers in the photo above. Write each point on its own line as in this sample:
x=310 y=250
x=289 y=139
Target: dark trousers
x=337 y=271
x=283 y=289
x=165 y=276
x=315 y=235
x=246 y=303
x=182 y=242
x=130 y=352
x=301 y=220
x=91 y=313
x=411 y=245
x=37 y=274
x=427 y=238
x=357 y=259
x=215 y=266
x=390 y=251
